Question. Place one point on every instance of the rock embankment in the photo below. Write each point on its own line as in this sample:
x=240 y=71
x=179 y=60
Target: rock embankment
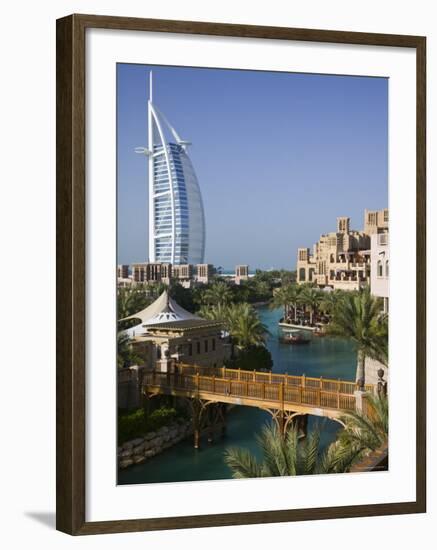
x=137 y=451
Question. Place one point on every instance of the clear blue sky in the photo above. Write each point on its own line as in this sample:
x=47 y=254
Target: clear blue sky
x=278 y=156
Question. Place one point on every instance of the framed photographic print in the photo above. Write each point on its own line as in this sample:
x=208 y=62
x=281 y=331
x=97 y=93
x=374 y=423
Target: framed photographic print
x=240 y=274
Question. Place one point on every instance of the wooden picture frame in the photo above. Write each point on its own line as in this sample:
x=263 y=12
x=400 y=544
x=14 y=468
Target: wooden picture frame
x=71 y=248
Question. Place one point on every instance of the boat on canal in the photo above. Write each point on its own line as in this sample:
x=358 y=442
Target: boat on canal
x=294 y=339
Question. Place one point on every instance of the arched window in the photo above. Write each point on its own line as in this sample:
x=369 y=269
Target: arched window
x=379 y=269
x=302 y=274
x=386 y=268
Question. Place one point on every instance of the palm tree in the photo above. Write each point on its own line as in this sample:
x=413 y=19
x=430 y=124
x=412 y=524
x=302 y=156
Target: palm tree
x=357 y=316
x=263 y=290
x=295 y=296
x=286 y=456
x=158 y=289
x=285 y=296
x=281 y=299
x=330 y=299
x=125 y=354
x=311 y=297
x=125 y=302
x=240 y=320
x=218 y=294
x=381 y=340
x=244 y=325
x=132 y=300
x=363 y=433
x=367 y=431
x=216 y=313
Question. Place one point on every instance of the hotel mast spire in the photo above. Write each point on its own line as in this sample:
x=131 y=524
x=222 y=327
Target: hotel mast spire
x=152 y=256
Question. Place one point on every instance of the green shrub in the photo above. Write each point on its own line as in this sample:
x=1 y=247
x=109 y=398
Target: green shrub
x=252 y=358
x=136 y=424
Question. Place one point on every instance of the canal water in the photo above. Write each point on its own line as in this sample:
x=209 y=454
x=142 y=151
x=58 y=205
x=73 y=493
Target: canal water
x=327 y=357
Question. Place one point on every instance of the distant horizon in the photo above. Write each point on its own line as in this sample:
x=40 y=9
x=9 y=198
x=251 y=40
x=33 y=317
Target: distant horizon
x=279 y=156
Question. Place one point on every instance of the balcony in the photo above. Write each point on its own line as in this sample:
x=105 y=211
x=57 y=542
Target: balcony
x=383 y=239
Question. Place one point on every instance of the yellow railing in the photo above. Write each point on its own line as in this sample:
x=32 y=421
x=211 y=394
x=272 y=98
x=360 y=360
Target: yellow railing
x=281 y=390
x=325 y=384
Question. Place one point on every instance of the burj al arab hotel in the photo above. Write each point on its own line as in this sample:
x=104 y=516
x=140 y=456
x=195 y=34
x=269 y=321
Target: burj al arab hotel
x=176 y=215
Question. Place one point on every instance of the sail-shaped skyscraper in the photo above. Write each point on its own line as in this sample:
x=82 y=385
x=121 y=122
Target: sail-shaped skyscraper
x=176 y=215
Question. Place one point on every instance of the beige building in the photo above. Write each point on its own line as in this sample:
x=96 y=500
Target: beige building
x=380 y=260
x=182 y=272
x=185 y=274
x=123 y=279
x=379 y=286
x=241 y=273
x=375 y=221
x=166 y=330
x=152 y=272
x=162 y=347
x=342 y=259
x=165 y=336
x=193 y=341
x=204 y=273
x=123 y=271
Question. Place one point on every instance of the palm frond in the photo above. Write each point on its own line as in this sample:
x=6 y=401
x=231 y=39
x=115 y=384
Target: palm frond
x=242 y=463
x=309 y=453
x=339 y=458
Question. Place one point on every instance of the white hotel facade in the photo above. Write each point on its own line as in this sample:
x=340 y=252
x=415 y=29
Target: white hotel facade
x=176 y=214
x=380 y=266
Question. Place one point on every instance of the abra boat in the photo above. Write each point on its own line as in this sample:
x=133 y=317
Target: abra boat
x=294 y=339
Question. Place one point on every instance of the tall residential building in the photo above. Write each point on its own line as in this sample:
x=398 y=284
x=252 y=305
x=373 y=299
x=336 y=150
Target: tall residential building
x=176 y=215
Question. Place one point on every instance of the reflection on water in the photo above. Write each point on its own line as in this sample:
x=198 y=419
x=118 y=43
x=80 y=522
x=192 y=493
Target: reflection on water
x=327 y=357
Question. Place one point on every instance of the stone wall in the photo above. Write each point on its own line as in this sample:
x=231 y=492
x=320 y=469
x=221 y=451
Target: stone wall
x=141 y=449
x=128 y=387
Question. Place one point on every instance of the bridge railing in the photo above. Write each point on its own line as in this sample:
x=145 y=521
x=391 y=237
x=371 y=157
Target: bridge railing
x=279 y=393
x=325 y=384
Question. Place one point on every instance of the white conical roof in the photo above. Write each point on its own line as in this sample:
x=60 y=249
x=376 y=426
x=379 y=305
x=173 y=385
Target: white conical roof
x=164 y=309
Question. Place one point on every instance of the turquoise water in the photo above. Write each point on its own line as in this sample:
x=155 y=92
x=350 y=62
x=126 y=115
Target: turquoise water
x=328 y=357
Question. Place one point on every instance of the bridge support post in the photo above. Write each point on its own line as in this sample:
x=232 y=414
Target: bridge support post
x=209 y=418
x=210 y=424
x=302 y=425
x=281 y=423
x=196 y=411
x=223 y=414
x=196 y=438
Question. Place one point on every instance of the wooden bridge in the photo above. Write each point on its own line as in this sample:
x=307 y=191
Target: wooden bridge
x=285 y=397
